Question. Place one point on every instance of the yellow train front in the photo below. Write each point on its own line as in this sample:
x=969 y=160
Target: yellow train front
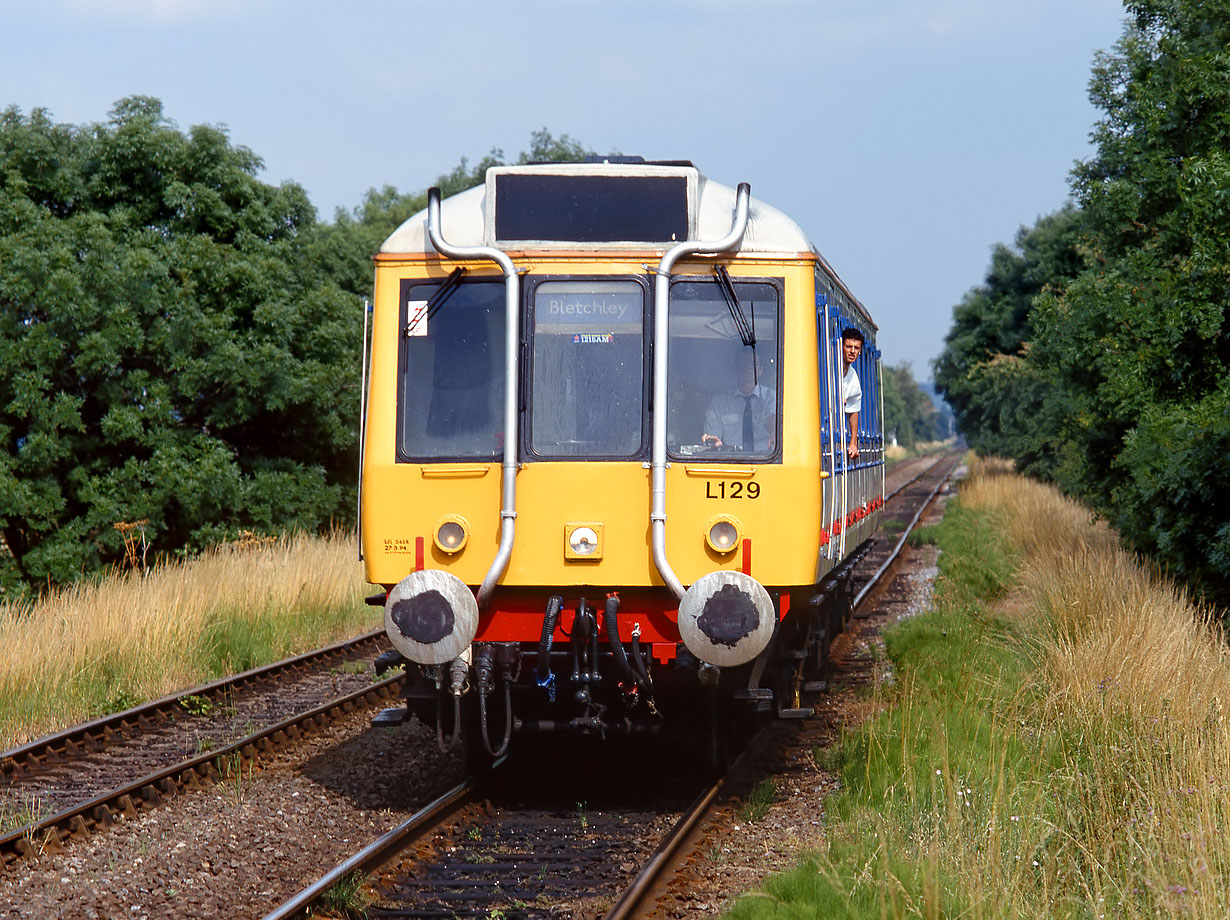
x=607 y=483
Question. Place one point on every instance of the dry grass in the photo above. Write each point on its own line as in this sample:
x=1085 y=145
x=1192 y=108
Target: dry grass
x=1055 y=744
x=1135 y=681
x=895 y=453
x=98 y=646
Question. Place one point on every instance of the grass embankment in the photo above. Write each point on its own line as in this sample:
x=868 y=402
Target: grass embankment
x=100 y=647
x=1054 y=744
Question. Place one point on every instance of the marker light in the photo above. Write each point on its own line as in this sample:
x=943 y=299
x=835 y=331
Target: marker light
x=723 y=534
x=452 y=534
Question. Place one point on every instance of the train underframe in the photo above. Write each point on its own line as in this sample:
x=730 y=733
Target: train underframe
x=585 y=681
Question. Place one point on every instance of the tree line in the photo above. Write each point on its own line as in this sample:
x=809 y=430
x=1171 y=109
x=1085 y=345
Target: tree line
x=1095 y=352
x=180 y=341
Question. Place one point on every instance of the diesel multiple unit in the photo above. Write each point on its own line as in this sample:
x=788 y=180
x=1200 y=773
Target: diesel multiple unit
x=607 y=483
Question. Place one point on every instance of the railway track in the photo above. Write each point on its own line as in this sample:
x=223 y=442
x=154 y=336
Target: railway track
x=584 y=823
x=590 y=842
x=89 y=775
x=497 y=850
x=904 y=506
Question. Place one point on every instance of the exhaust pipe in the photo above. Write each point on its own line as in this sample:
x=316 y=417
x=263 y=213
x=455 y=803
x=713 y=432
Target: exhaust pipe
x=512 y=303
x=661 y=333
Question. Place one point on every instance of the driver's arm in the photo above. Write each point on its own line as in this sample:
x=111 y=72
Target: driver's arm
x=713 y=423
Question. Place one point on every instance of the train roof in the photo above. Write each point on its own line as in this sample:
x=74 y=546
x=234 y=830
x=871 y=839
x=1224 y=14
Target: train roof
x=614 y=204
x=650 y=205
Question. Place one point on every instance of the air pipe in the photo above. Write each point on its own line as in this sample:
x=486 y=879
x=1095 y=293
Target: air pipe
x=458 y=670
x=661 y=333
x=638 y=661
x=618 y=653
x=546 y=678
x=367 y=309
x=484 y=665
x=512 y=305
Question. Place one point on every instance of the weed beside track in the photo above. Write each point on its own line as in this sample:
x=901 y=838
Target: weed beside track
x=1054 y=743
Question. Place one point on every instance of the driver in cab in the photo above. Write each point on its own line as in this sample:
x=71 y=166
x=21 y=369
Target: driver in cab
x=745 y=419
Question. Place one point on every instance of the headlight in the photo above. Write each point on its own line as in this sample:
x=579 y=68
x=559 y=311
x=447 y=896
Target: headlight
x=583 y=541
x=452 y=533
x=723 y=534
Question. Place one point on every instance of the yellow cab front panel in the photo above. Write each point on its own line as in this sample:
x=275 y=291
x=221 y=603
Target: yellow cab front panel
x=772 y=500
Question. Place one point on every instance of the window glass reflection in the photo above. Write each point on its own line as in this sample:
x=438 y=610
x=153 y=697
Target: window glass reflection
x=588 y=369
x=723 y=370
x=452 y=392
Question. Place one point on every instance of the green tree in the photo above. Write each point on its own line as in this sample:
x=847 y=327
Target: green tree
x=170 y=354
x=999 y=399
x=1112 y=379
x=908 y=411
x=1139 y=344
x=181 y=341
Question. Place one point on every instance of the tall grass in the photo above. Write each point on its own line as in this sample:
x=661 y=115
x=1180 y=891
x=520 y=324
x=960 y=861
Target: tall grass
x=101 y=646
x=1055 y=744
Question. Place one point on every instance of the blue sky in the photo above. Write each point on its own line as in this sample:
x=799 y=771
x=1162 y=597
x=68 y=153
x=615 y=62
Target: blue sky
x=905 y=136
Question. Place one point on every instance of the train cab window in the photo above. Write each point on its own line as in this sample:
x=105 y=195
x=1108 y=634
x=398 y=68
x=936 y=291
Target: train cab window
x=588 y=369
x=723 y=369
x=451 y=365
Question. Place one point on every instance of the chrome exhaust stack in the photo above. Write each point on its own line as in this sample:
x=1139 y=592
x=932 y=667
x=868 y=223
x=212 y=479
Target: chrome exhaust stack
x=512 y=303
x=661 y=333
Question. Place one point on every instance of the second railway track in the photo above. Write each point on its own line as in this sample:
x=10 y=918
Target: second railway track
x=88 y=775
x=248 y=876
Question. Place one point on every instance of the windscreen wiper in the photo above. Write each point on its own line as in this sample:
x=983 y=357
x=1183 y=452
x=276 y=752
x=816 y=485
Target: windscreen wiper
x=746 y=330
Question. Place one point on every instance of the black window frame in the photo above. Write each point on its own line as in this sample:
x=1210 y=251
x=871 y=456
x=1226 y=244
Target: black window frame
x=403 y=365
x=778 y=283
x=530 y=286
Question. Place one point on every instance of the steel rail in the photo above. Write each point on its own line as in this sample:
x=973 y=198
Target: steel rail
x=148 y=790
x=638 y=891
x=634 y=896
x=905 y=485
x=892 y=557
x=378 y=851
x=89 y=735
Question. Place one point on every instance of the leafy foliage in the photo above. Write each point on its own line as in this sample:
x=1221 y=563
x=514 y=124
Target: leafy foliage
x=180 y=340
x=1177 y=478
x=908 y=411
x=1117 y=390
x=170 y=353
x=998 y=396
x=1141 y=343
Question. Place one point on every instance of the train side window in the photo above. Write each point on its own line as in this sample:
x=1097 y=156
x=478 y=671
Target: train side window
x=451 y=371
x=723 y=370
x=829 y=408
x=588 y=395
